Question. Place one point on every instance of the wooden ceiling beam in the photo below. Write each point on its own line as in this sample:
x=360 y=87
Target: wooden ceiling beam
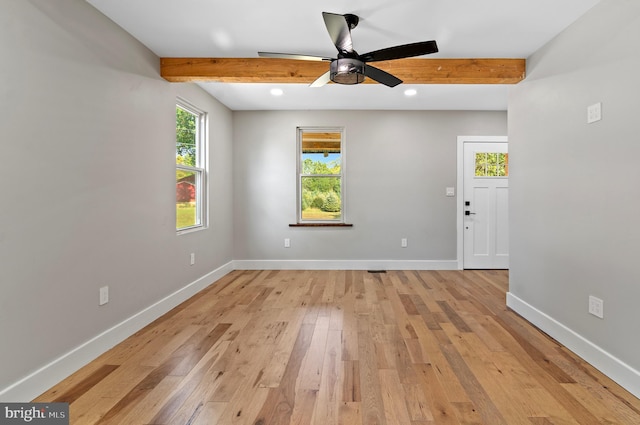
x=320 y=146
x=411 y=71
x=315 y=137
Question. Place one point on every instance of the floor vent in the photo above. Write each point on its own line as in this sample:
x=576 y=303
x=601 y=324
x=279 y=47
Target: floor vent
x=376 y=271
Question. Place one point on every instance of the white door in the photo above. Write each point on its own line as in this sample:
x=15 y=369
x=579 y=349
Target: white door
x=485 y=205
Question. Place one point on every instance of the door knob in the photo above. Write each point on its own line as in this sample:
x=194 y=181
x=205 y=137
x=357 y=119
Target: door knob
x=468 y=213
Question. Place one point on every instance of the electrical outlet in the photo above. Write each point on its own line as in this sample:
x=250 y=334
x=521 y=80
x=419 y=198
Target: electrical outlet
x=596 y=306
x=193 y=258
x=104 y=295
x=594 y=113
x=403 y=242
x=287 y=243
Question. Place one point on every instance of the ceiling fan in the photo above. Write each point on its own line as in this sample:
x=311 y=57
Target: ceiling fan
x=350 y=67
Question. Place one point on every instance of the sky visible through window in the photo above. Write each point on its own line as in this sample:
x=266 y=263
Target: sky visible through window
x=319 y=157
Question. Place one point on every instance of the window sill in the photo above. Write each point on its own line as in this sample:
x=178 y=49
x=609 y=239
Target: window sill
x=321 y=225
x=190 y=230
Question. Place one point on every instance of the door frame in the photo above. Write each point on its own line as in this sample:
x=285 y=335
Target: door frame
x=460 y=188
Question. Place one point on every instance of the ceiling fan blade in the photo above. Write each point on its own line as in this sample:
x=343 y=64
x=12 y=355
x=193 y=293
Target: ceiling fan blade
x=381 y=76
x=292 y=56
x=322 y=80
x=399 y=52
x=339 y=31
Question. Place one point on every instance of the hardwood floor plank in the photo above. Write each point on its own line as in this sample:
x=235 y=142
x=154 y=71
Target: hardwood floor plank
x=351 y=391
x=244 y=407
x=445 y=377
x=534 y=353
x=350 y=414
x=515 y=374
x=426 y=314
x=349 y=329
x=600 y=387
x=467 y=413
x=477 y=393
x=202 y=374
x=328 y=296
x=454 y=317
x=514 y=406
x=415 y=274
x=211 y=413
x=275 y=404
x=280 y=401
x=403 y=364
x=273 y=373
x=155 y=357
x=336 y=320
x=303 y=409
x=259 y=300
x=550 y=409
x=417 y=403
x=239 y=362
x=190 y=354
x=439 y=404
x=142 y=389
x=144 y=409
x=540 y=421
x=73 y=393
x=198 y=390
x=344 y=348
x=539 y=368
x=476 y=322
x=408 y=304
x=393 y=397
x=329 y=391
x=371 y=405
x=310 y=373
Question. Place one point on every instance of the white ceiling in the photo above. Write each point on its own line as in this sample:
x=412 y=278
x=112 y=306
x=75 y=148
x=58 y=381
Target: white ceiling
x=241 y=28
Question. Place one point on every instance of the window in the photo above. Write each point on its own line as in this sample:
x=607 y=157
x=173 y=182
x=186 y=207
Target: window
x=492 y=164
x=320 y=175
x=190 y=167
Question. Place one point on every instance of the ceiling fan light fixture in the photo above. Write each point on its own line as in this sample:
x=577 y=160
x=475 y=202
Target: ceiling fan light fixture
x=347 y=71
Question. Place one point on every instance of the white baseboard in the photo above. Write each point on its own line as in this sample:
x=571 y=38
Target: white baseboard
x=345 y=265
x=47 y=376
x=608 y=364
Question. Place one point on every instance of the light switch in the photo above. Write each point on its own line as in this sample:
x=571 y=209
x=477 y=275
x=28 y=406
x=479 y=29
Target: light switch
x=104 y=295
x=451 y=191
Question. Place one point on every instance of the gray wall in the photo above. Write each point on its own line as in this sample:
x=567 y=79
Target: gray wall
x=398 y=164
x=574 y=186
x=87 y=181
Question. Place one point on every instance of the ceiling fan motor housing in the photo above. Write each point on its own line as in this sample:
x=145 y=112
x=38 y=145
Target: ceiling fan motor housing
x=347 y=71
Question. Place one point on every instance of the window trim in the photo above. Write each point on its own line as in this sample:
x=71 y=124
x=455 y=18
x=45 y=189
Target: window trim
x=201 y=168
x=320 y=223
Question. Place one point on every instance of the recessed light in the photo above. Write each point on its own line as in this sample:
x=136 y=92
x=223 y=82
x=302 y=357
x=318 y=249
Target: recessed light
x=277 y=92
x=410 y=92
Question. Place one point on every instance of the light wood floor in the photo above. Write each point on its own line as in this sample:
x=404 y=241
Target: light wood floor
x=344 y=347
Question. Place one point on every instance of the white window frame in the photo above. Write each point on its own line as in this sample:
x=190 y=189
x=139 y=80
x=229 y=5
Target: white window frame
x=200 y=170
x=341 y=176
